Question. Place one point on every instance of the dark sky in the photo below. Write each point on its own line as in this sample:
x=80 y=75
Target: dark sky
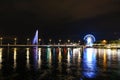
x=58 y=18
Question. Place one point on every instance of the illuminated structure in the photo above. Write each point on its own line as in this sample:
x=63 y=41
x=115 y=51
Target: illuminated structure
x=35 y=40
x=89 y=38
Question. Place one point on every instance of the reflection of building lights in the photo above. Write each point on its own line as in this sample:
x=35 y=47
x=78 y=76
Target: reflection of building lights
x=104 y=60
x=27 y=53
x=49 y=56
x=39 y=52
x=15 y=55
x=76 y=52
x=39 y=57
x=79 y=55
x=0 y=55
x=59 y=56
x=0 y=58
x=118 y=54
x=68 y=55
x=15 y=51
x=114 y=54
x=109 y=51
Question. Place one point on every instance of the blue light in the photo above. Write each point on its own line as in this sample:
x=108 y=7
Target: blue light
x=35 y=40
x=89 y=63
x=89 y=38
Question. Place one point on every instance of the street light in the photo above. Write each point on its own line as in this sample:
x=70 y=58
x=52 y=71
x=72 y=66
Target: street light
x=50 y=40
x=39 y=40
x=28 y=41
x=59 y=41
x=1 y=40
x=68 y=41
x=104 y=41
x=15 y=39
x=79 y=42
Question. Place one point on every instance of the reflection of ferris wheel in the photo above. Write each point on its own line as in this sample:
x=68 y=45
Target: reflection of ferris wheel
x=90 y=39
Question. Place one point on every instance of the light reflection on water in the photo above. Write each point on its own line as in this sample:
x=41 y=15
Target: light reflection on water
x=49 y=57
x=59 y=63
x=27 y=57
x=39 y=58
x=0 y=58
x=68 y=57
x=59 y=56
x=89 y=63
x=14 y=57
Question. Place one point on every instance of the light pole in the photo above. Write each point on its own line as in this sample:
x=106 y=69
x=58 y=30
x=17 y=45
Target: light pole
x=79 y=42
x=59 y=41
x=68 y=41
x=50 y=40
x=39 y=40
x=15 y=39
x=1 y=40
x=28 y=41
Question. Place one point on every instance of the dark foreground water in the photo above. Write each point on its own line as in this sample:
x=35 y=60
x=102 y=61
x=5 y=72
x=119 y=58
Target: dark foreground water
x=59 y=64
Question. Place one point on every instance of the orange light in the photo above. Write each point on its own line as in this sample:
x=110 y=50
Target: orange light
x=104 y=41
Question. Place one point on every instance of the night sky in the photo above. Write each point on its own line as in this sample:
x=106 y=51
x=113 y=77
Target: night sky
x=60 y=18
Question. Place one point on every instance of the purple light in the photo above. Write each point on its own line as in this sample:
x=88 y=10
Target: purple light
x=35 y=40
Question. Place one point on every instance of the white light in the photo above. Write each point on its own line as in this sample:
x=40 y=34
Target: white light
x=39 y=57
x=89 y=39
x=28 y=62
x=68 y=57
x=15 y=54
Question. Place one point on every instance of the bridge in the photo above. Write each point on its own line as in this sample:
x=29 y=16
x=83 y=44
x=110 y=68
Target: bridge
x=50 y=45
x=60 y=45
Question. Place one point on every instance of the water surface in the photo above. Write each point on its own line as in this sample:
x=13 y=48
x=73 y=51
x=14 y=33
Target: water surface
x=59 y=64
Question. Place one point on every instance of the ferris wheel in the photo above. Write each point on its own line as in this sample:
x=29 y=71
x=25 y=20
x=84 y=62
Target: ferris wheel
x=89 y=39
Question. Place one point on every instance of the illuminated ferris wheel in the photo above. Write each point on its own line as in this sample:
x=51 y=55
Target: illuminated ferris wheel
x=89 y=39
